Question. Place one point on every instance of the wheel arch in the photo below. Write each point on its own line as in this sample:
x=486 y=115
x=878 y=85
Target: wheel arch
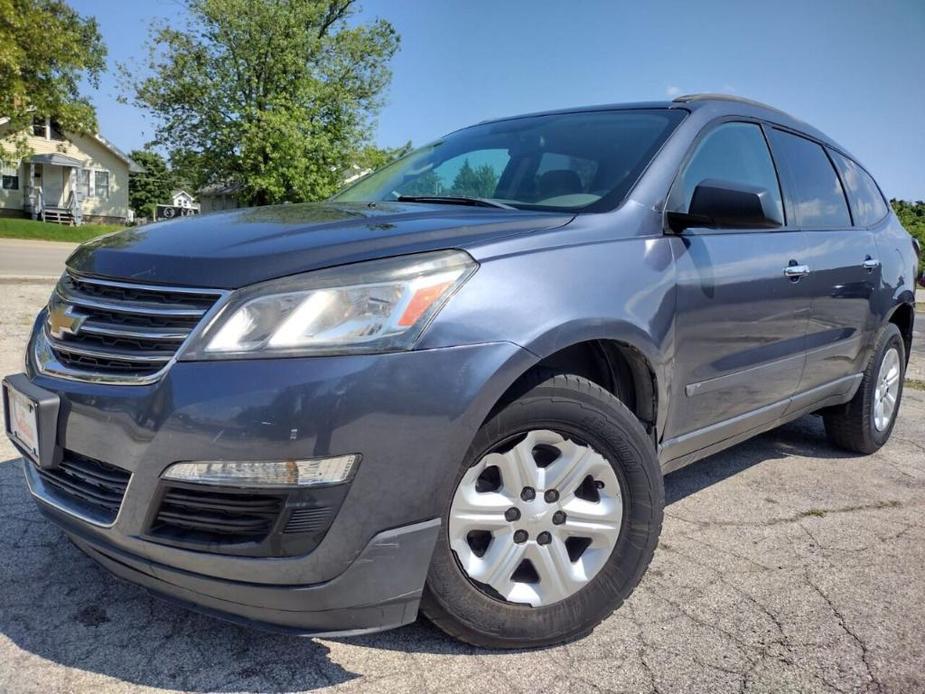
x=902 y=316
x=623 y=360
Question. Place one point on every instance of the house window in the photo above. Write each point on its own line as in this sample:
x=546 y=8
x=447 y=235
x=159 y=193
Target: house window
x=54 y=131
x=10 y=178
x=39 y=126
x=101 y=184
x=83 y=183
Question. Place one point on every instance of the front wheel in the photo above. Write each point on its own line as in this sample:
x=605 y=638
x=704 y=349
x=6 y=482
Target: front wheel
x=555 y=515
x=864 y=424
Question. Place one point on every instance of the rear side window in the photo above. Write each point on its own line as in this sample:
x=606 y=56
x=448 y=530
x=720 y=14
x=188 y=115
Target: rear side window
x=733 y=152
x=818 y=198
x=867 y=203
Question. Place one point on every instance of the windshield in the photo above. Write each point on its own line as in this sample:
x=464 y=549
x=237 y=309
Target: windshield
x=566 y=162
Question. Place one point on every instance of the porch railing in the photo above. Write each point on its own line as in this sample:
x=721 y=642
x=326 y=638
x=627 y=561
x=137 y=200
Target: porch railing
x=74 y=206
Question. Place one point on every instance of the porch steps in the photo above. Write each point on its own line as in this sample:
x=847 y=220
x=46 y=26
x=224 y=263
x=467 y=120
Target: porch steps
x=58 y=215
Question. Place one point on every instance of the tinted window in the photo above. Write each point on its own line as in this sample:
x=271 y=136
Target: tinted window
x=734 y=152
x=867 y=204
x=564 y=161
x=818 y=197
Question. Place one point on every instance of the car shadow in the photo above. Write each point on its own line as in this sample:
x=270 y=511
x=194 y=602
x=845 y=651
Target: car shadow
x=58 y=605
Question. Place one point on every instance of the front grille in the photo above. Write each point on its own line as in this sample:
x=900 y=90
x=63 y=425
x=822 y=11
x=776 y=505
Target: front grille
x=206 y=516
x=87 y=485
x=122 y=329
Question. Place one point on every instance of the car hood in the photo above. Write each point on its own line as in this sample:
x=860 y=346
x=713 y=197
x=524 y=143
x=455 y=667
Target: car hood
x=232 y=249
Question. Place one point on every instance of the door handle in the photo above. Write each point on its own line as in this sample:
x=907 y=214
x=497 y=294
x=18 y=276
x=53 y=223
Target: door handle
x=871 y=264
x=795 y=272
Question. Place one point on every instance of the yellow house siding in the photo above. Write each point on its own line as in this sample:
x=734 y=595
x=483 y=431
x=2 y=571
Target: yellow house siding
x=94 y=156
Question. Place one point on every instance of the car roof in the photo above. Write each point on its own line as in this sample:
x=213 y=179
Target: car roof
x=719 y=104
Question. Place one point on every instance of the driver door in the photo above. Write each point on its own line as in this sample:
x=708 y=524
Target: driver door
x=741 y=315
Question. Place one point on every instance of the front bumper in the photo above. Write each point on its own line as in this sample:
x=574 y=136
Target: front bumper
x=410 y=415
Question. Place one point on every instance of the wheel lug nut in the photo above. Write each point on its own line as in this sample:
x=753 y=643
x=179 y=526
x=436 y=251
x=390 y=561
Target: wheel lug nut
x=520 y=536
x=528 y=494
x=558 y=517
x=544 y=538
x=551 y=496
x=512 y=514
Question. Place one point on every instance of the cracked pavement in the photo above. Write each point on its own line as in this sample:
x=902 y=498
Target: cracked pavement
x=784 y=565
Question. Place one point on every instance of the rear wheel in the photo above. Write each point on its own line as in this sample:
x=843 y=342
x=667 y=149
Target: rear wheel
x=865 y=424
x=554 y=518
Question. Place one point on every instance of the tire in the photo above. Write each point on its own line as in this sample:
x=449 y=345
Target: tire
x=585 y=416
x=853 y=426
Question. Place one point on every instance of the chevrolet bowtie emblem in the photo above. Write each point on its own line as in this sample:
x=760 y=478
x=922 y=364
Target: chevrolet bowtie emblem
x=62 y=319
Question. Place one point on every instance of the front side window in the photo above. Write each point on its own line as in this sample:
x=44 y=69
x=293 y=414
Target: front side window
x=101 y=184
x=735 y=153
x=867 y=203
x=819 y=200
x=571 y=161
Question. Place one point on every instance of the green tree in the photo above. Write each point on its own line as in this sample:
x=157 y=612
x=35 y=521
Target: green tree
x=428 y=183
x=46 y=49
x=151 y=187
x=912 y=217
x=278 y=95
x=475 y=183
x=373 y=158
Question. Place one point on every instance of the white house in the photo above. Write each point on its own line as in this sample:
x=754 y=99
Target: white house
x=68 y=178
x=180 y=198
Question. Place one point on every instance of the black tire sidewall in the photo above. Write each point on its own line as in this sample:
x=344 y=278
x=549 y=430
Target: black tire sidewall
x=890 y=337
x=573 y=406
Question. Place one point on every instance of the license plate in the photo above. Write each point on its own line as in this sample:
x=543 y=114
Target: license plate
x=24 y=421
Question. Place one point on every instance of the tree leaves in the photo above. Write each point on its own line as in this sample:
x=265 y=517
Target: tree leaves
x=46 y=49
x=278 y=95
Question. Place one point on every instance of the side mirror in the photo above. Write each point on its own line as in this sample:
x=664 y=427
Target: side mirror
x=724 y=205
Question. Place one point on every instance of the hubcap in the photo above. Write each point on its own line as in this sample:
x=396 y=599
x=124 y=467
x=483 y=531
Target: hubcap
x=887 y=391
x=566 y=528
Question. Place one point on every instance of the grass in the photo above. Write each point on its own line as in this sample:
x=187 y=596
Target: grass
x=915 y=384
x=11 y=228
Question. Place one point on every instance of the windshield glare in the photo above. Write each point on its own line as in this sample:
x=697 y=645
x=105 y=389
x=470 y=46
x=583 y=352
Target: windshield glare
x=572 y=161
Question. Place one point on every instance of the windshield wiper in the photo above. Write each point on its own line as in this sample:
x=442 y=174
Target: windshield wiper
x=455 y=200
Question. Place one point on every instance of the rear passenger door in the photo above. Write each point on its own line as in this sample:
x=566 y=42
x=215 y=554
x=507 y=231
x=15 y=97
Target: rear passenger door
x=740 y=320
x=842 y=259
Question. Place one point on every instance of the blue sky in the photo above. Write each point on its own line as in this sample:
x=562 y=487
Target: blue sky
x=855 y=69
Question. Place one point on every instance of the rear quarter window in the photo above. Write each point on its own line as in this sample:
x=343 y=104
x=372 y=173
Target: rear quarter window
x=818 y=199
x=867 y=203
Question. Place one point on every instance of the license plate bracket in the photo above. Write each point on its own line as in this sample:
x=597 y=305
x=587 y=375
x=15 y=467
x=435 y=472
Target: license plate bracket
x=33 y=432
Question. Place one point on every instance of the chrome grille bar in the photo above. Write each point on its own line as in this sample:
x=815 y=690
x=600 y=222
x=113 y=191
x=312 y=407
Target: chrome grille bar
x=111 y=331
x=75 y=297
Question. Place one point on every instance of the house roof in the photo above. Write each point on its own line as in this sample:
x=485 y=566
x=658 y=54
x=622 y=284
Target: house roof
x=56 y=159
x=133 y=166
x=221 y=188
x=175 y=193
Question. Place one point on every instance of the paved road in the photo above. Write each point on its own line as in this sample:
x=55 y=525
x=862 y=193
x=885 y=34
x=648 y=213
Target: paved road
x=24 y=258
x=785 y=565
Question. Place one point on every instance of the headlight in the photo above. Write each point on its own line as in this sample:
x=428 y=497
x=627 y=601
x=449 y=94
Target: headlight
x=376 y=306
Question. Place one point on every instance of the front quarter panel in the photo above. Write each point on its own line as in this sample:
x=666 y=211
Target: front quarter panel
x=544 y=300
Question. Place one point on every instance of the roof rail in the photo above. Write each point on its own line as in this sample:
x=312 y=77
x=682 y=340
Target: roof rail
x=720 y=97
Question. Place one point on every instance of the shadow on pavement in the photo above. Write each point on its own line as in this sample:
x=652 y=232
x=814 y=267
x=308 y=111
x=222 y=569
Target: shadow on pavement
x=57 y=604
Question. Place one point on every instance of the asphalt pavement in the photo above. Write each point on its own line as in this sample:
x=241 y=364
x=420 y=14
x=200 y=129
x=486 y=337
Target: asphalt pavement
x=785 y=565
